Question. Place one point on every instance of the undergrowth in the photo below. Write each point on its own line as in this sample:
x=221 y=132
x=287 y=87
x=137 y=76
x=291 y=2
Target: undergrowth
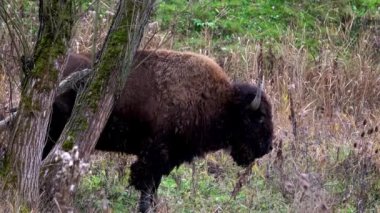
x=321 y=63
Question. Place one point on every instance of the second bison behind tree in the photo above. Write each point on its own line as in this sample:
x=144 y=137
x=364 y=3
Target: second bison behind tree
x=176 y=106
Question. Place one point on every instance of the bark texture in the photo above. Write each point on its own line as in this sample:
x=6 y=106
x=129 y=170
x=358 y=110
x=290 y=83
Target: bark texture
x=97 y=98
x=26 y=140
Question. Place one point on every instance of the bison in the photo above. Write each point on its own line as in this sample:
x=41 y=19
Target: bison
x=175 y=106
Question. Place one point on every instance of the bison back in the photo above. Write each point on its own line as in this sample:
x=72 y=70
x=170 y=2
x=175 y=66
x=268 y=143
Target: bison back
x=174 y=90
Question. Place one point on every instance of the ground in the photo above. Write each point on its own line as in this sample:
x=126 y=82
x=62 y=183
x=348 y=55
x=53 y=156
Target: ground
x=326 y=115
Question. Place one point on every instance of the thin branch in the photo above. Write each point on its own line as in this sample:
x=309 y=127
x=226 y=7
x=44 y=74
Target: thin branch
x=7 y=121
x=14 y=29
x=70 y=82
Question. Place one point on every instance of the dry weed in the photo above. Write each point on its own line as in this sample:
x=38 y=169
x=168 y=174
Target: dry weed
x=325 y=110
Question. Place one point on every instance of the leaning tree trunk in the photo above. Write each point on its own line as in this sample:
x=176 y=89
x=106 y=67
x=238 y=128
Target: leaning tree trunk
x=26 y=140
x=98 y=97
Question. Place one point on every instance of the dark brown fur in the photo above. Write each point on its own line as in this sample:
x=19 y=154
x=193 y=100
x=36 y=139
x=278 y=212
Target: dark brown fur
x=181 y=93
x=76 y=62
x=176 y=106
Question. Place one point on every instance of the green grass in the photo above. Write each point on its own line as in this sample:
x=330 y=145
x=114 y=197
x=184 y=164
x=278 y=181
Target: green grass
x=321 y=48
x=181 y=192
x=312 y=22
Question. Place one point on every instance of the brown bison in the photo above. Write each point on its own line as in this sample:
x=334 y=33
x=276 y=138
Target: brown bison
x=176 y=106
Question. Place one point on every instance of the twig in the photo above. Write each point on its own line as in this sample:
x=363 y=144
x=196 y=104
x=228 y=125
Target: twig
x=70 y=82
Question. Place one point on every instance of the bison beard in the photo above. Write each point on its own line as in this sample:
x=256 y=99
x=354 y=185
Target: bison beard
x=175 y=106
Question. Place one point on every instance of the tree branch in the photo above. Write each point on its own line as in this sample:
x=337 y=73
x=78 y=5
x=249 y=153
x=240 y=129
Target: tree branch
x=27 y=137
x=70 y=82
x=93 y=106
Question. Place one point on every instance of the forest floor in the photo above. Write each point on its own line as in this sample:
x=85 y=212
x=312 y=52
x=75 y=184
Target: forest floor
x=327 y=140
x=326 y=155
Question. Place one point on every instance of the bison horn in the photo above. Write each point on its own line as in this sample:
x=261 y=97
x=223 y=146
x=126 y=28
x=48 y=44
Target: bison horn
x=255 y=104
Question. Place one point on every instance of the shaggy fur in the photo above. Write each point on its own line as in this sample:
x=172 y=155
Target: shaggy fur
x=176 y=106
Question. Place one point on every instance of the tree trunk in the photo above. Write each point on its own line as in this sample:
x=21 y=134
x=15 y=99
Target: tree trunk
x=26 y=140
x=97 y=99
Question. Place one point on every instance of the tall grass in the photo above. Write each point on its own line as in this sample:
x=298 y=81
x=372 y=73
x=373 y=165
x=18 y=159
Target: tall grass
x=325 y=104
x=326 y=155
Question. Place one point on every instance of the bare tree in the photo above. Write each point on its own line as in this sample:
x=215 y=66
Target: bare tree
x=22 y=164
x=26 y=140
x=96 y=101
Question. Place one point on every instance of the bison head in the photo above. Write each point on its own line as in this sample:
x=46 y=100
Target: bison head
x=252 y=130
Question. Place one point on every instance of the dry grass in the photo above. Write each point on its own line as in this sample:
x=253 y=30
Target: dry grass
x=326 y=156
x=326 y=120
x=326 y=115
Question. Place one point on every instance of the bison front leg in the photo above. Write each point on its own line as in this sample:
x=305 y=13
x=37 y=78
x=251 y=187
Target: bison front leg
x=147 y=200
x=146 y=174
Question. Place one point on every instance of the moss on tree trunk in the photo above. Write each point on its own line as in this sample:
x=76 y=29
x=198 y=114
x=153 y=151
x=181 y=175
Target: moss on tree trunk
x=97 y=99
x=27 y=139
